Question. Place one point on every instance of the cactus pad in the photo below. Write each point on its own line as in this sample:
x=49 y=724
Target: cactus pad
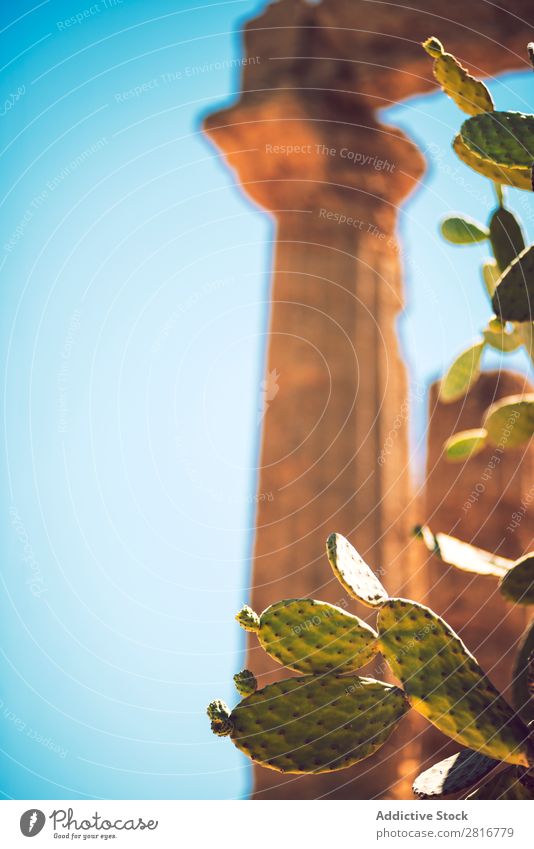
x=506 y=236
x=453 y=774
x=502 y=339
x=522 y=688
x=510 y=421
x=518 y=583
x=245 y=683
x=513 y=299
x=490 y=275
x=460 y=230
x=470 y=94
x=505 y=785
x=462 y=374
x=506 y=138
x=462 y=555
x=518 y=177
x=465 y=444
x=316 y=723
x=353 y=572
x=248 y=619
x=445 y=684
x=313 y=636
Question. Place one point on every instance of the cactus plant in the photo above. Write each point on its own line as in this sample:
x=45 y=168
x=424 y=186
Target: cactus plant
x=500 y=146
x=452 y=775
x=327 y=721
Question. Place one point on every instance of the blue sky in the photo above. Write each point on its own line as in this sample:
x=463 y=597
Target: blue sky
x=133 y=320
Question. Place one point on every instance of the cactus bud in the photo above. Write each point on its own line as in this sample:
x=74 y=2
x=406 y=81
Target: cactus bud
x=245 y=683
x=219 y=713
x=248 y=620
x=433 y=47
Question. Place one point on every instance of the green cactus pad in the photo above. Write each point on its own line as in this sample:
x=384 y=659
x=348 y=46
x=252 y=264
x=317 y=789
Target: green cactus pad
x=454 y=774
x=313 y=636
x=506 y=236
x=460 y=230
x=518 y=584
x=513 y=299
x=462 y=555
x=518 y=177
x=465 y=444
x=219 y=713
x=445 y=684
x=245 y=683
x=502 y=339
x=505 y=785
x=248 y=619
x=523 y=695
x=316 y=723
x=353 y=573
x=490 y=275
x=470 y=94
x=462 y=374
x=506 y=138
x=510 y=421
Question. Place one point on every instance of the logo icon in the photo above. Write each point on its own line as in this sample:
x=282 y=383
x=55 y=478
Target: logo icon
x=32 y=822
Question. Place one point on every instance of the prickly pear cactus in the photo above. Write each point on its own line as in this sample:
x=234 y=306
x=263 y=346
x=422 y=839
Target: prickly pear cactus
x=245 y=683
x=490 y=275
x=313 y=636
x=518 y=583
x=506 y=784
x=506 y=236
x=316 y=723
x=510 y=421
x=461 y=230
x=445 y=684
x=353 y=572
x=462 y=374
x=463 y=555
x=470 y=94
x=513 y=298
x=465 y=444
x=522 y=683
x=219 y=713
x=520 y=178
x=454 y=774
x=497 y=335
x=506 y=138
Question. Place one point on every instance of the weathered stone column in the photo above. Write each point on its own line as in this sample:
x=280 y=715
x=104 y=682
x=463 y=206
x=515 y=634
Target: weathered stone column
x=305 y=145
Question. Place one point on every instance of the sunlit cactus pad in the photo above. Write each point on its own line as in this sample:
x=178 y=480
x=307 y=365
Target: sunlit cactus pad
x=445 y=684
x=454 y=774
x=313 y=636
x=353 y=572
x=462 y=554
x=510 y=421
x=316 y=723
x=465 y=444
x=470 y=94
x=513 y=299
x=462 y=374
x=507 y=138
x=505 y=785
x=518 y=583
x=518 y=177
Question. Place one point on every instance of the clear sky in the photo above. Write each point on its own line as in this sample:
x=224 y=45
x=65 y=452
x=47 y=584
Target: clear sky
x=132 y=336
